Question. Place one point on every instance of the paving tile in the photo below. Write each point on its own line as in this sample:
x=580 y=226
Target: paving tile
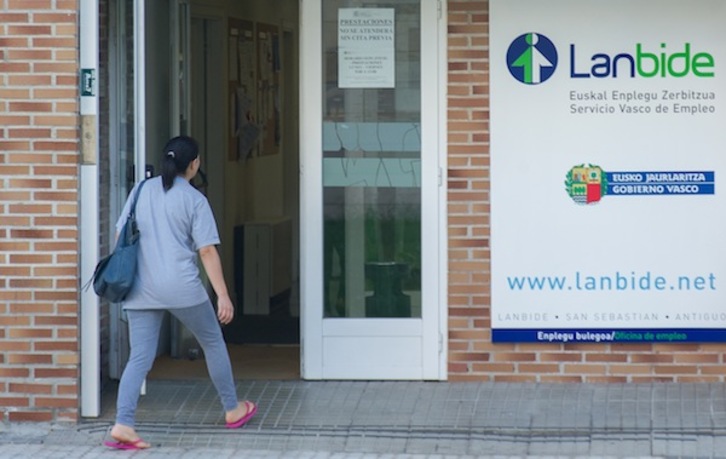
x=418 y=420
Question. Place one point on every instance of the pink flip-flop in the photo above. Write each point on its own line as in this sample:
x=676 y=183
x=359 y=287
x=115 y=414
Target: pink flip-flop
x=128 y=445
x=251 y=410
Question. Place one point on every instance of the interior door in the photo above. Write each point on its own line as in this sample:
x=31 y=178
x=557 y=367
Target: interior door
x=371 y=190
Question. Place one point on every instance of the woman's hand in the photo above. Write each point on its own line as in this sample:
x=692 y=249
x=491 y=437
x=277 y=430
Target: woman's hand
x=213 y=266
x=225 y=310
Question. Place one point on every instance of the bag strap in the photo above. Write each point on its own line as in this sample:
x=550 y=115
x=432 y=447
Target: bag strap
x=132 y=211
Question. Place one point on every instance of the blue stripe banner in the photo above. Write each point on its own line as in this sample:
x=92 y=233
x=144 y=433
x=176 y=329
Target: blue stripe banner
x=660 y=183
x=609 y=335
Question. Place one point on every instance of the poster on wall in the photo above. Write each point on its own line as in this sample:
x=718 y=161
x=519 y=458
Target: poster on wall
x=243 y=129
x=366 y=48
x=268 y=88
x=608 y=205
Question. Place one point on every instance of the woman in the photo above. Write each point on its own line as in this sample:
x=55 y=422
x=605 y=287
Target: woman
x=175 y=222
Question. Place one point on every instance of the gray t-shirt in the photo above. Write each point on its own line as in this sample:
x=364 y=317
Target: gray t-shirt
x=174 y=225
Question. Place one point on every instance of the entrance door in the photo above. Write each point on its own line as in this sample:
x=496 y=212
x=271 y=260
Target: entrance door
x=141 y=119
x=178 y=64
x=372 y=198
x=129 y=118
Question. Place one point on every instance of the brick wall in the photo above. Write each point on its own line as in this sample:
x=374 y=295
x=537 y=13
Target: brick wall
x=468 y=192
x=472 y=356
x=39 y=145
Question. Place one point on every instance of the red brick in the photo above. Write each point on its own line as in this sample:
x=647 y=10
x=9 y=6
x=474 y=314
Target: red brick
x=46 y=346
x=29 y=359
x=30 y=416
x=14 y=321
x=14 y=401
x=14 y=372
x=14 y=67
x=55 y=18
x=52 y=402
x=17 y=346
x=67 y=389
x=651 y=358
x=59 y=321
x=31 y=388
x=31 y=106
x=6 y=18
x=30 y=333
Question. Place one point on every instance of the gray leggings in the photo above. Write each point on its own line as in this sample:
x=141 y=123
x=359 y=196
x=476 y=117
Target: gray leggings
x=144 y=328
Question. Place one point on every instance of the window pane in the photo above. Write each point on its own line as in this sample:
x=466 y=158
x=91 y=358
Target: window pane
x=123 y=98
x=372 y=158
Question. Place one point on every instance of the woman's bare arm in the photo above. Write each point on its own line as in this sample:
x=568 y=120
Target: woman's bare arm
x=213 y=266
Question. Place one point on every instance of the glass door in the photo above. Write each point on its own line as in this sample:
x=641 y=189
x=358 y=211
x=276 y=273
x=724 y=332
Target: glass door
x=122 y=139
x=371 y=301
x=140 y=43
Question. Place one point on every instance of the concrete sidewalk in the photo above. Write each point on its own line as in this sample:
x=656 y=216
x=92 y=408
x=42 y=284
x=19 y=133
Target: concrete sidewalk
x=406 y=420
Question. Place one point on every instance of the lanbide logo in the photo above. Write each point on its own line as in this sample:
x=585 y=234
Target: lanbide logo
x=645 y=63
x=532 y=58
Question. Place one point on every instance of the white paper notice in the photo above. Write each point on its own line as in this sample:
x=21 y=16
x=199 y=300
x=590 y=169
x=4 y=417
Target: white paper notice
x=366 y=48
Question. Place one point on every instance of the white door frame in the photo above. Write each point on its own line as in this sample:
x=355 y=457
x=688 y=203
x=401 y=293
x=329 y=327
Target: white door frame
x=90 y=329
x=434 y=262
x=311 y=193
x=140 y=89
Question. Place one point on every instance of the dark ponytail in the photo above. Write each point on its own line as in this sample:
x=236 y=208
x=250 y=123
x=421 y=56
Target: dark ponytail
x=178 y=153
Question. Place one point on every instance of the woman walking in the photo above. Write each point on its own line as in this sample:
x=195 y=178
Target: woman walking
x=176 y=223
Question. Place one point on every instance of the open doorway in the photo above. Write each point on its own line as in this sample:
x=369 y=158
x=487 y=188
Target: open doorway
x=232 y=83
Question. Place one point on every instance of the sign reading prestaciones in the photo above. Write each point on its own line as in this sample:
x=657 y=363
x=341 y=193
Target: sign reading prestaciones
x=366 y=48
